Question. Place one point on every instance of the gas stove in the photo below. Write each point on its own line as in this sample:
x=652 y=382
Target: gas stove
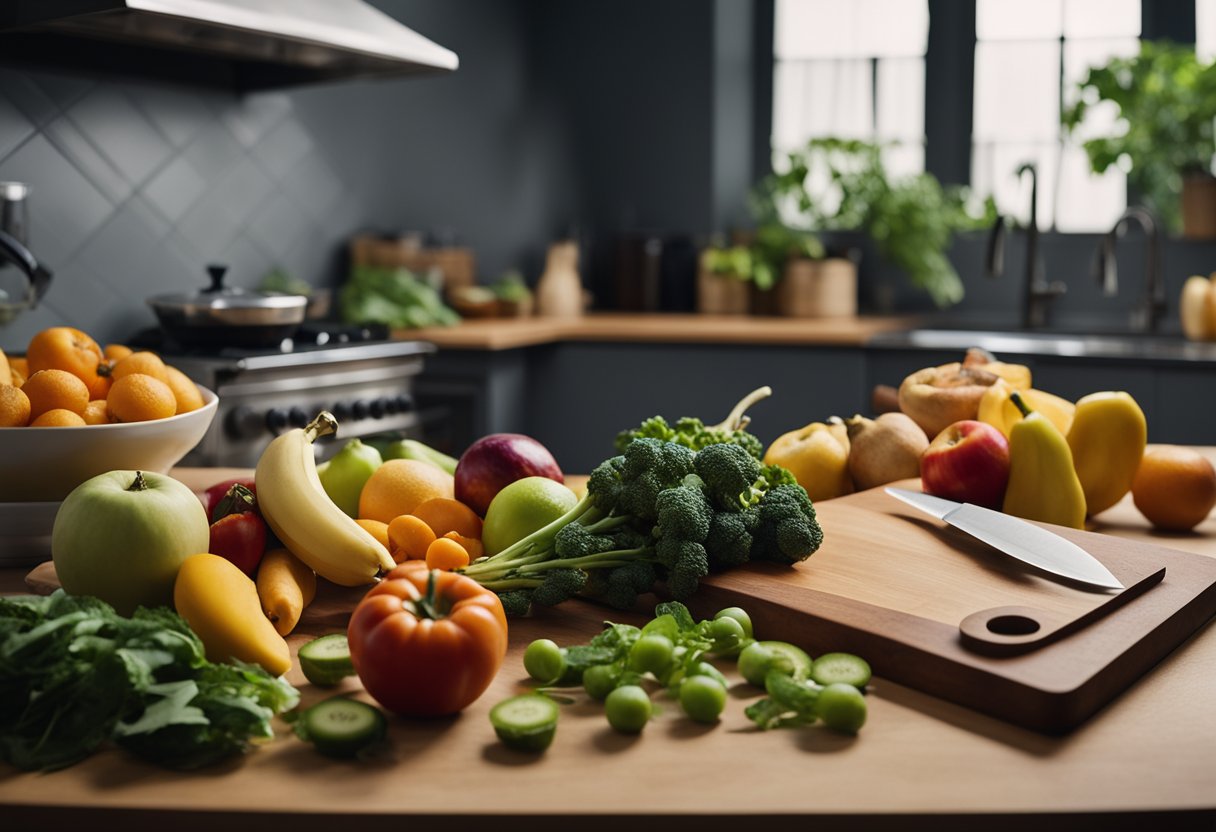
x=356 y=373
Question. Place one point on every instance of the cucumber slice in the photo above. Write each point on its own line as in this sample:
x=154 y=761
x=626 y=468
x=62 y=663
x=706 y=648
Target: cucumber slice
x=759 y=657
x=525 y=723
x=341 y=727
x=842 y=668
x=326 y=660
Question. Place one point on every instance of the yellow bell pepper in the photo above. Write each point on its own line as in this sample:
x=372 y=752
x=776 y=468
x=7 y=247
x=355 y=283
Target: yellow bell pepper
x=1107 y=440
x=818 y=457
x=1042 y=482
x=998 y=410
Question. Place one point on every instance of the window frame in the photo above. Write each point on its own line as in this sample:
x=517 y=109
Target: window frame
x=950 y=73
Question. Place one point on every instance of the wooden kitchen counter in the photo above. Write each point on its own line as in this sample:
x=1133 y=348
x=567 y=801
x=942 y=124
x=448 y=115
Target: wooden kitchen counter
x=513 y=333
x=1151 y=750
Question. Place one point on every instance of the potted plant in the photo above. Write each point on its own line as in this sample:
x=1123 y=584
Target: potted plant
x=739 y=278
x=1166 y=100
x=842 y=185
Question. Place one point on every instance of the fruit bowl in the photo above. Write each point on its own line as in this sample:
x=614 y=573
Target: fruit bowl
x=45 y=464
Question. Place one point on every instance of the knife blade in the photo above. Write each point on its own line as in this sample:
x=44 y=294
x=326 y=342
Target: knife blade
x=1015 y=537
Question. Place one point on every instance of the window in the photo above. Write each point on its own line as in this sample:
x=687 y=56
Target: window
x=1029 y=57
x=1205 y=29
x=851 y=70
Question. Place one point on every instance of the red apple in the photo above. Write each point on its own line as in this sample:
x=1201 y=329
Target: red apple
x=212 y=496
x=495 y=461
x=968 y=462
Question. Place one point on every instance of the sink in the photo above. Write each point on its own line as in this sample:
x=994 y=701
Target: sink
x=1109 y=344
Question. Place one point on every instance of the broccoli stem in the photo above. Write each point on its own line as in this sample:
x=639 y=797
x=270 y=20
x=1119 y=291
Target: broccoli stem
x=522 y=551
x=494 y=578
x=736 y=420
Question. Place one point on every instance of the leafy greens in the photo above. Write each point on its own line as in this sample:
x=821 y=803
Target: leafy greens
x=74 y=674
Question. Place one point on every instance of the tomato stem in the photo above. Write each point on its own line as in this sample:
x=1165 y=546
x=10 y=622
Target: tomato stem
x=427 y=605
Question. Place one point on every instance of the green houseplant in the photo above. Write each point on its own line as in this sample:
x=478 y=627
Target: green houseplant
x=842 y=185
x=1166 y=100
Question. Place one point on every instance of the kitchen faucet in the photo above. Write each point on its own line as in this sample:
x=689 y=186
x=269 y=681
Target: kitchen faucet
x=1038 y=292
x=1146 y=313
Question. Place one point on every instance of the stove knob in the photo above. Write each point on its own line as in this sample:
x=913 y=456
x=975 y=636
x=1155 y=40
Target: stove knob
x=297 y=417
x=244 y=423
x=276 y=419
x=404 y=402
x=360 y=409
x=378 y=408
x=341 y=411
x=391 y=405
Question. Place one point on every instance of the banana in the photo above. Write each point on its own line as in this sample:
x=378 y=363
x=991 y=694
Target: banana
x=296 y=507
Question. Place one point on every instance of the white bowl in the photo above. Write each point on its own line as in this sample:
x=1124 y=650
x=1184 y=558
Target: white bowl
x=45 y=464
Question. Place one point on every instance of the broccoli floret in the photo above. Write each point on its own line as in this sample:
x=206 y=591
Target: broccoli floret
x=729 y=541
x=787 y=531
x=639 y=575
x=516 y=602
x=775 y=475
x=669 y=551
x=575 y=541
x=729 y=473
x=682 y=512
x=559 y=585
x=650 y=467
x=684 y=578
x=655 y=427
x=604 y=484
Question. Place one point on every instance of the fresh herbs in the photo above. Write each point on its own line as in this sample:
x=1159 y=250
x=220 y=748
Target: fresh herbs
x=75 y=675
x=1166 y=101
x=394 y=297
x=843 y=185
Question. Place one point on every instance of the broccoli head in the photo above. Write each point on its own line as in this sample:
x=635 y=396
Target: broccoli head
x=787 y=531
x=558 y=586
x=683 y=513
x=651 y=466
x=684 y=578
x=516 y=602
x=729 y=473
x=655 y=427
x=575 y=541
x=729 y=542
x=604 y=484
x=669 y=551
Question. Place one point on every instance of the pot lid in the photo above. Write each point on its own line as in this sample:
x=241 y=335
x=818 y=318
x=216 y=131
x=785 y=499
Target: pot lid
x=219 y=296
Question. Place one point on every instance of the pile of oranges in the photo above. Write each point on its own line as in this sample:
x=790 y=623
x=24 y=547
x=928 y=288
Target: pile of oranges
x=408 y=506
x=66 y=380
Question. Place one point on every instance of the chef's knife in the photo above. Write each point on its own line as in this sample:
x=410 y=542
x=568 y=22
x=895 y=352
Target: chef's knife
x=1015 y=537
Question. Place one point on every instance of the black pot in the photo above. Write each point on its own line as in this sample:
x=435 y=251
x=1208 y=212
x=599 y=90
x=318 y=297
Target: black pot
x=222 y=316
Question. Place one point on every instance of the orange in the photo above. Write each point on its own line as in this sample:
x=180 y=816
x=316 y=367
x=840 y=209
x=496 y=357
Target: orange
x=377 y=530
x=14 y=407
x=1175 y=487
x=140 y=398
x=410 y=536
x=65 y=348
x=444 y=516
x=116 y=352
x=400 y=485
x=185 y=391
x=20 y=369
x=471 y=544
x=58 y=418
x=148 y=363
x=95 y=413
x=53 y=390
x=446 y=554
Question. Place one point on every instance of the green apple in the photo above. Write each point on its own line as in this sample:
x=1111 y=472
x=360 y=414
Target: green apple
x=121 y=536
x=521 y=508
x=344 y=476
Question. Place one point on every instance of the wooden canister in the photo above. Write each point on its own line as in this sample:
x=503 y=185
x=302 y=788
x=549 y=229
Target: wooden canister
x=721 y=294
x=818 y=288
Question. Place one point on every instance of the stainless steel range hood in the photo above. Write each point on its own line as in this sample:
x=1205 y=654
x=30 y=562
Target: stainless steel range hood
x=246 y=44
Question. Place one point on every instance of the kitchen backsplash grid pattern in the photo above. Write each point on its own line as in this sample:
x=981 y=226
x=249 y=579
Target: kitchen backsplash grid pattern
x=136 y=187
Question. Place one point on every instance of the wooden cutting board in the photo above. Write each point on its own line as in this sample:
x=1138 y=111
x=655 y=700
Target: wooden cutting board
x=937 y=610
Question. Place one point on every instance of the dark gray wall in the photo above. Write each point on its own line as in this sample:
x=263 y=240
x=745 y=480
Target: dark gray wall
x=137 y=184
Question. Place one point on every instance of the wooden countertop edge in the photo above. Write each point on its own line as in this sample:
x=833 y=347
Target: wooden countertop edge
x=513 y=333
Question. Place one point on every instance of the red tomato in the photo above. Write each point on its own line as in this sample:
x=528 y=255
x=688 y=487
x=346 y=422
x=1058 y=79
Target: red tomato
x=427 y=643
